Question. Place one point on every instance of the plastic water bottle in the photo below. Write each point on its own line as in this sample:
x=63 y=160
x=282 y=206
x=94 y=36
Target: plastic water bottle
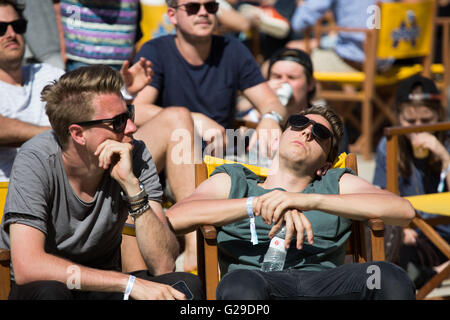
x=276 y=254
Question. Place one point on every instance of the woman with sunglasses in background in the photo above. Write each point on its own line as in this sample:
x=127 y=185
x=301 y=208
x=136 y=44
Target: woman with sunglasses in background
x=424 y=167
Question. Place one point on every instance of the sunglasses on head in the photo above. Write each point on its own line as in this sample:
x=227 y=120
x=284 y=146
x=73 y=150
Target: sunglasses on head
x=299 y=122
x=119 y=122
x=194 y=7
x=19 y=26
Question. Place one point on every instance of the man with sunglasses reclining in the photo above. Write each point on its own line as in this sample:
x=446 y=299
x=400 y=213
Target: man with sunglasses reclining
x=316 y=204
x=204 y=72
x=72 y=189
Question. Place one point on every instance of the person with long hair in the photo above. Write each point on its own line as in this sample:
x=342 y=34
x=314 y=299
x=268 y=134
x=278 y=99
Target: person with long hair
x=424 y=165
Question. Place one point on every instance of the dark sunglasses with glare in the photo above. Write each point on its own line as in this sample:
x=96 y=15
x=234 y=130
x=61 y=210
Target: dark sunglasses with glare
x=194 y=7
x=119 y=122
x=299 y=122
x=19 y=26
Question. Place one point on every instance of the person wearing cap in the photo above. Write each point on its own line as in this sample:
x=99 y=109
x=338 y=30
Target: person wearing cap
x=424 y=167
x=203 y=73
x=292 y=68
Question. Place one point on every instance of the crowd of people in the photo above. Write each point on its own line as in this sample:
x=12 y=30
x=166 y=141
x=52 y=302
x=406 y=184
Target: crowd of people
x=92 y=126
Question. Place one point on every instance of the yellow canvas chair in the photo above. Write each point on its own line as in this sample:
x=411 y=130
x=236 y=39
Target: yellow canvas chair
x=406 y=31
x=207 y=256
x=433 y=203
x=152 y=15
x=441 y=71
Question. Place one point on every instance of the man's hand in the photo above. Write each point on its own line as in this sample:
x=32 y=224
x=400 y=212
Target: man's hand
x=148 y=290
x=280 y=206
x=429 y=141
x=137 y=76
x=267 y=132
x=117 y=157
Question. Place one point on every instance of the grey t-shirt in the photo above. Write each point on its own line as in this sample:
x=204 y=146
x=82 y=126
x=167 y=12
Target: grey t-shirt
x=24 y=103
x=40 y=196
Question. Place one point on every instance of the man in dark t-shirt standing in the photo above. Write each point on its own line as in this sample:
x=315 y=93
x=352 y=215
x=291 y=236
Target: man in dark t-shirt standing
x=203 y=73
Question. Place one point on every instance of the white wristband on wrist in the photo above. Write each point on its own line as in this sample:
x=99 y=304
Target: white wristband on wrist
x=444 y=174
x=126 y=95
x=249 y=205
x=129 y=287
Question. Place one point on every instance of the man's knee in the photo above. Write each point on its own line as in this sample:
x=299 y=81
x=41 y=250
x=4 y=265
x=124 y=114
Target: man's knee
x=179 y=117
x=242 y=285
x=41 y=290
x=394 y=282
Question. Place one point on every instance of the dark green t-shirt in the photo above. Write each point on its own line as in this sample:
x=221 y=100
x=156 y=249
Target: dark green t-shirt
x=330 y=232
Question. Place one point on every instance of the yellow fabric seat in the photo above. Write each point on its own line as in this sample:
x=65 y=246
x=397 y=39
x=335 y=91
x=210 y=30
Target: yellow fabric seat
x=437 y=203
x=394 y=75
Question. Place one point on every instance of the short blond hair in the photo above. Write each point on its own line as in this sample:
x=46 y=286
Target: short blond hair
x=69 y=99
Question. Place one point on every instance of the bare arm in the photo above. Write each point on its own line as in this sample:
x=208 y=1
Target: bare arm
x=209 y=204
x=15 y=132
x=32 y=263
x=145 y=105
x=157 y=243
x=358 y=200
x=265 y=100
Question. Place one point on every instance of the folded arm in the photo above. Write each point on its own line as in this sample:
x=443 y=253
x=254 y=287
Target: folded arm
x=208 y=205
x=31 y=263
x=357 y=200
x=15 y=132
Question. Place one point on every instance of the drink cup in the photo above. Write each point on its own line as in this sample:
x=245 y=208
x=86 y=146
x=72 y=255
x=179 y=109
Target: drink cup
x=420 y=152
x=284 y=93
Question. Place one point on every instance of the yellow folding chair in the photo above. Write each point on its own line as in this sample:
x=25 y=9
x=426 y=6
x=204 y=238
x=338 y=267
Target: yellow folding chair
x=406 y=31
x=441 y=71
x=433 y=203
x=207 y=255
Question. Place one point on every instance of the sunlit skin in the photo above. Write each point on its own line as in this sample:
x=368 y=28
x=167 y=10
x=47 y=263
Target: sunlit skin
x=12 y=45
x=196 y=27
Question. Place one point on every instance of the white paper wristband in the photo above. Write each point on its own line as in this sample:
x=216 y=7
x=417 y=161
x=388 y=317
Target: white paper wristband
x=129 y=287
x=254 y=235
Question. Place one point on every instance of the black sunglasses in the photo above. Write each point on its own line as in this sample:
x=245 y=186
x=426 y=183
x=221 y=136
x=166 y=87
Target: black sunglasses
x=19 y=26
x=119 y=122
x=194 y=7
x=299 y=122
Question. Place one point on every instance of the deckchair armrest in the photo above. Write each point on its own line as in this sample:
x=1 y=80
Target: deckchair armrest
x=376 y=224
x=209 y=232
x=5 y=255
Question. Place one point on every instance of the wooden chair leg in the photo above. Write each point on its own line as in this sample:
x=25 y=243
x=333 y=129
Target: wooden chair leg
x=5 y=283
x=433 y=283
